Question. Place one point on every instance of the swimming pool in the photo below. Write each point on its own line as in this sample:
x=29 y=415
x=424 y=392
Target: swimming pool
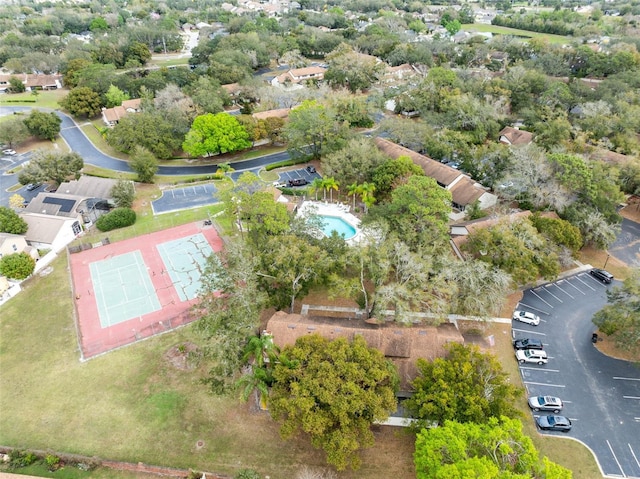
x=333 y=223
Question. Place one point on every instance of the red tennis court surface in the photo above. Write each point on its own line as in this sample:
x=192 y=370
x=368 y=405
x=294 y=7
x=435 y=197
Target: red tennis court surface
x=92 y=337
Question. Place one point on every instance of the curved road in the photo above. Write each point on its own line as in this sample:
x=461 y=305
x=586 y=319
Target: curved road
x=78 y=142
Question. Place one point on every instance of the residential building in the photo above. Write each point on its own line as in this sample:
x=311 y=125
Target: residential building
x=299 y=75
x=13 y=244
x=514 y=136
x=111 y=116
x=32 y=81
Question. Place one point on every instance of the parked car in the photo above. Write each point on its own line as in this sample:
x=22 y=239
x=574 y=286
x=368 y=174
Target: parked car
x=526 y=317
x=33 y=186
x=9 y=152
x=527 y=343
x=311 y=169
x=602 y=275
x=554 y=423
x=279 y=184
x=546 y=403
x=531 y=356
x=298 y=182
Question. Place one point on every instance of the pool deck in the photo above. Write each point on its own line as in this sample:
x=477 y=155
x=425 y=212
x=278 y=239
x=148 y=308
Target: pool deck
x=338 y=210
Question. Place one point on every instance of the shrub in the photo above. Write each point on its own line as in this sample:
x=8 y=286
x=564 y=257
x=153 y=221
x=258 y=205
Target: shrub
x=282 y=164
x=17 y=266
x=18 y=459
x=117 y=218
x=52 y=462
x=247 y=474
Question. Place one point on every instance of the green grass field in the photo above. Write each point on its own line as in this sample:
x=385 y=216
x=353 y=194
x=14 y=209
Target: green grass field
x=44 y=99
x=480 y=27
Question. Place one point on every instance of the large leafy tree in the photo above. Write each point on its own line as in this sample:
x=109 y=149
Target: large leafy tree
x=466 y=386
x=150 y=129
x=43 y=125
x=393 y=173
x=354 y=163
x=82 y=101
x=13 y=131
x=51 y=165
x=621 y=318
x=257 y=214
x=333 y=391
x=348 y=68
x=313 y=129
x=418 y=212
x=123 y=193
x=144 y=164
x=230 y=304
x=17 y=266
x=10 y=222
x=495 y=450
x=219 y=133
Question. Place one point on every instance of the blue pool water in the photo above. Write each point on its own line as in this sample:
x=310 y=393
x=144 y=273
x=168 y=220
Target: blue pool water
x=333 y=223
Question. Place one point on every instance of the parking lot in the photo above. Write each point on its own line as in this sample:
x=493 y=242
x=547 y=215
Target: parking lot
x=285 y=176
x=183 y=198
x=601 y=394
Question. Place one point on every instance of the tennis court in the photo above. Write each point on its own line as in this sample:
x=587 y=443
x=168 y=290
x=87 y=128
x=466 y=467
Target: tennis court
x=123 y=288
x=185 y=259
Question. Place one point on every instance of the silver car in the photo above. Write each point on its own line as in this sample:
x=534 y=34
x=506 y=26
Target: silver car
x=526 y=317
x=546 y=403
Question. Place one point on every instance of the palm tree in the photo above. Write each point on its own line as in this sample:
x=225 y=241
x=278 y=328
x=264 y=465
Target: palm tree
x=366 y=191
x=316 y=185
x=353 y=190
x=260 y=379
x=261 y=349
x=329 y=184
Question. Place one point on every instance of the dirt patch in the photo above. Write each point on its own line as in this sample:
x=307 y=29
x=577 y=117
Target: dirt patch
x=607 y=345
x=181 y=356
x=632 y=210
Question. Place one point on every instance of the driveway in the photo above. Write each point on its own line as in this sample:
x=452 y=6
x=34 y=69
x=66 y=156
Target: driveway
x=601 y=394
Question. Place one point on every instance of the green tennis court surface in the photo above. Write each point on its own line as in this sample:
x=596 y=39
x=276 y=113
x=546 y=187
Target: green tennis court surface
x=185 y=260
x=123 y=288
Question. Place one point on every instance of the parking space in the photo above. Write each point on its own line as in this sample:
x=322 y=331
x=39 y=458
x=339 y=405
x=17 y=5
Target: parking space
x=601 y=394
x=301 y=173
x=188 y=197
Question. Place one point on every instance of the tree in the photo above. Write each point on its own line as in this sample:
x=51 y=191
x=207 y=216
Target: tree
x=16 y=201
x=123 y=193
x=329 y=184
x=262 y=354
x=17 y=266
x=144 y=164
x=495 y=450
x=313 y=130
x=219 y=133
x=392 y=173
x=559 y=231
x=230 y=305
x=115 y=96
x=355 y=162
x=333 y=391
x=10 y=222
x=151 y=129
x=366 y=191
x=82 y=101
x=351 y=69
x=43 y=125
x=13 y=131
x=466 y=386
x=257 y=214
x=16 y=85
x=51 y=165
x=621 y=318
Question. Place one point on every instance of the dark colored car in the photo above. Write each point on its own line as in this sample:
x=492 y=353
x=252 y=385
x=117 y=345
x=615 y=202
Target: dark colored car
x=546 y=403
x=527 y=343
x=298 y=182
x=311 y=169
x=602 y=275
x=554 y=423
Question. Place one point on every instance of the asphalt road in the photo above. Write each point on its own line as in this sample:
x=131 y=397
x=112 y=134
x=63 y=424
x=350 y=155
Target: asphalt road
x=601 y=394
x=627 y=245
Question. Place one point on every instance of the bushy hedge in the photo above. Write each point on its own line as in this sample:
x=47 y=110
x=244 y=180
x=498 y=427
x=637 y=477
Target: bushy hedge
x=17 y=266
x=117 y=218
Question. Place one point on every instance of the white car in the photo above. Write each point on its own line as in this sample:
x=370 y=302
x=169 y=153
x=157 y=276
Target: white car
x=9 y=152
x=526 y=317
x=531 y=356
x=546 y=403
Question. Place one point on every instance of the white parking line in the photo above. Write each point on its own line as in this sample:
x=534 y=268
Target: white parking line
x=631 y=397
x=545 y=384
x=634 y=455
x=528 y=332
x=538 y=369
x=576 y=288
x=557 y=285
x=626 y=379
x=533 y=292
x=547 y=290
x=579 y=278
x=541 y=311
x=616 y=459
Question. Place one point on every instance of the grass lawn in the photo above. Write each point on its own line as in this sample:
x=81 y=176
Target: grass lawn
x=44 y=99
x=481 y=27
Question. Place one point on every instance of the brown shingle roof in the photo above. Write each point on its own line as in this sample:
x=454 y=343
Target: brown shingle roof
x=402 y=345
x=278 y=113
x=515 y=137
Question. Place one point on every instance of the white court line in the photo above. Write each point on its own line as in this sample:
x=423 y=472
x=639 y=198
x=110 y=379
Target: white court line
x=538 y=369
x=528 y=332
x=579 y=278
x=634 y=455
x=533 y=292
x=547 y=290
x=557 y=285
x=626 y=379
x=545 y=384
x=616 y=459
